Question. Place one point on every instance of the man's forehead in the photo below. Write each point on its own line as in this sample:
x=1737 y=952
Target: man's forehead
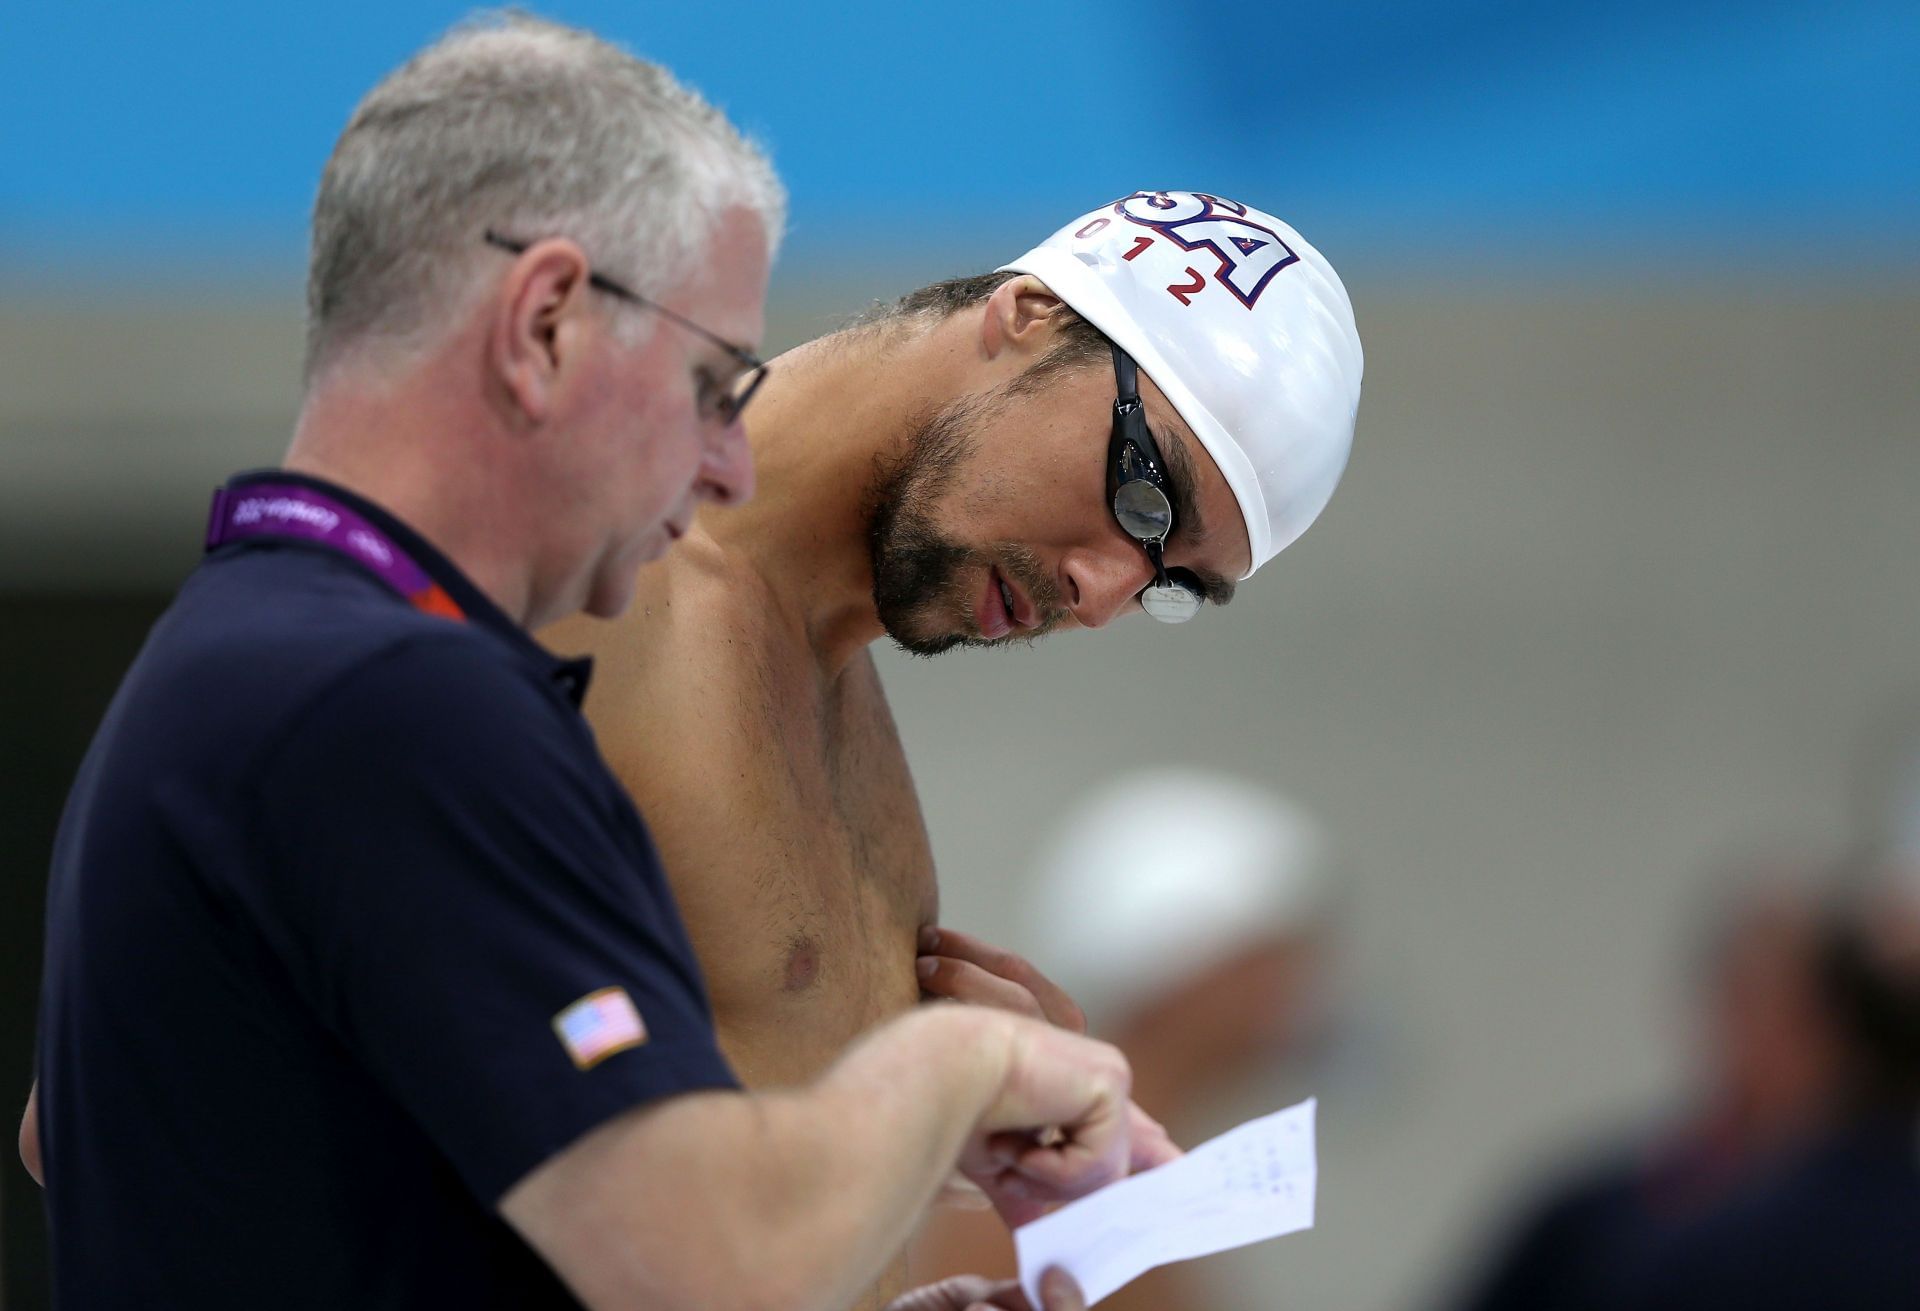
x=728 y=288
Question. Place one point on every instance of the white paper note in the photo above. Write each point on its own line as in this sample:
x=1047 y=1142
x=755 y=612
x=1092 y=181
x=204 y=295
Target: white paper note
x=1250 y=1183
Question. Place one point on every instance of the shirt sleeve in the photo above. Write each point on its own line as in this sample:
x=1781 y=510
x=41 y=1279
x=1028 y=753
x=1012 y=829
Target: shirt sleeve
x=465 y=898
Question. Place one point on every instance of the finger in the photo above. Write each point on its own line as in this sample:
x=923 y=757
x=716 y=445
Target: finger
x=1004 y=1149
x=946 y=976
x=1148 y=1143
x=1073 y=1169
x=1013 y=1200
x=949 y=1294
x=1055 y=1004
x=1003 y=1296
x=1059 y=1291
x=1076 y=1085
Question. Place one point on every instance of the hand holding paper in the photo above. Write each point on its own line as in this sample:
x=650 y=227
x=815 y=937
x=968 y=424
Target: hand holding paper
x=1250 y=1183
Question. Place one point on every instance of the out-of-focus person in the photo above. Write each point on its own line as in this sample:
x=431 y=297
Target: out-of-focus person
x=1767 y=1072
x=1796 y=1088
x=1835 y=1224
x=1185 y=909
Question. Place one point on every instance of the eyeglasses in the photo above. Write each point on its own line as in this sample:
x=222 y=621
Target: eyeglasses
x=1141 y=502
x=732 y=398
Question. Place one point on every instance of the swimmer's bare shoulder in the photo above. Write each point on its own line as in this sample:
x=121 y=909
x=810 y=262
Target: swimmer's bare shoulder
x=676 y=708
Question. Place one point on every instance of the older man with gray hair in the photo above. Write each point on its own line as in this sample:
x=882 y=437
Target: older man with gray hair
x=364 y=985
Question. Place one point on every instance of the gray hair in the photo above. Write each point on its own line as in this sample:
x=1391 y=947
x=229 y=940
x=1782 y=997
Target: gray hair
x=534 y=130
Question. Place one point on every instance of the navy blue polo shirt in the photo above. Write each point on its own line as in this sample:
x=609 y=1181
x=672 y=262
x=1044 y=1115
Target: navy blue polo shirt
x=348 y=929
x=1837 y=1228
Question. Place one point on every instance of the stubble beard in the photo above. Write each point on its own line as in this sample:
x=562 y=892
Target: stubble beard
x=922 y=580
x=916 y=571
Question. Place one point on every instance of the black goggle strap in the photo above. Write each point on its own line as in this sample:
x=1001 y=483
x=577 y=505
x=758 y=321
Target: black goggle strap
x=1126 y=376
x=1156 y=553
x=1130 y=421
x=1126 y=386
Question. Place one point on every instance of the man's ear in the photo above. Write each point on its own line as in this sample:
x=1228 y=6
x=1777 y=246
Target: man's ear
x=536 y=313
x=1016 y=316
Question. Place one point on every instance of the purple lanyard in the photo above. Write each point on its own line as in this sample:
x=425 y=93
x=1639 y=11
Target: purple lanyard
x=285 y=510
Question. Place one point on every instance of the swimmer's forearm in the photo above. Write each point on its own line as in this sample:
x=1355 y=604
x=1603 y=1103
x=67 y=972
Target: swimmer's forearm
x=794 y=1199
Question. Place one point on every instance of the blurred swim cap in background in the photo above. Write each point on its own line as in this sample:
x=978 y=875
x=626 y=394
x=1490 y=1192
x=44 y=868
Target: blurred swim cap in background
x=1242 y=324
x=1159 y=875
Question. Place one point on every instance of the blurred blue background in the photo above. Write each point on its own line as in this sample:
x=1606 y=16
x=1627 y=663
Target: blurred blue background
x=1771 y=134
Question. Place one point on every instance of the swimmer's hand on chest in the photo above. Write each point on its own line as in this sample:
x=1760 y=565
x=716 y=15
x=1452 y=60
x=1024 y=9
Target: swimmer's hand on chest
x=957 y=966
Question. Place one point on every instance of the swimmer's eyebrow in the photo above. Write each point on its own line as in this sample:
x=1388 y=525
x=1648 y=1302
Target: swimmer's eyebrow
x=1186 y=511
x=1215 y=589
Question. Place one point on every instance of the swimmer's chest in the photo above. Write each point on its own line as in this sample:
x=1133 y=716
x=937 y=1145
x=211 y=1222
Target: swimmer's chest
x=797 y=850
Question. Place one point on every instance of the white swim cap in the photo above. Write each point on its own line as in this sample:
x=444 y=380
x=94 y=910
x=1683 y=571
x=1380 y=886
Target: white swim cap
x=1162 y=874
x=1243 y=325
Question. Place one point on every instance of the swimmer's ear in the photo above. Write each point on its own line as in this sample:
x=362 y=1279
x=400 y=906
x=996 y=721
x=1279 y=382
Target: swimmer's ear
x=1016 y=316
x=536 y=317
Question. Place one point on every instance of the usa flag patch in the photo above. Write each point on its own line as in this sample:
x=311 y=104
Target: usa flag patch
x=599 y=1025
